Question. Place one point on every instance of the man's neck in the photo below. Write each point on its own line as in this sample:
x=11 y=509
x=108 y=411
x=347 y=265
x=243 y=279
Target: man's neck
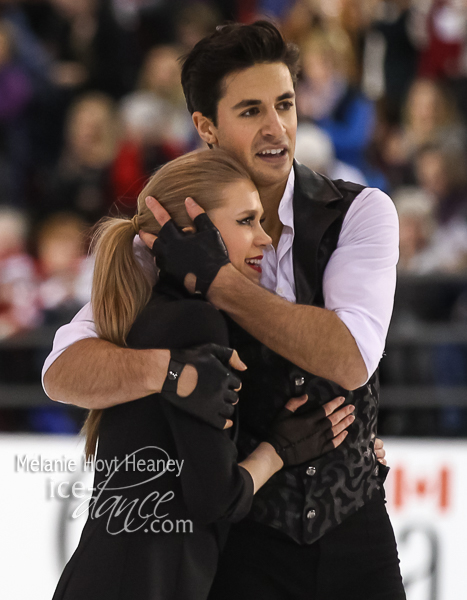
x=271 y=197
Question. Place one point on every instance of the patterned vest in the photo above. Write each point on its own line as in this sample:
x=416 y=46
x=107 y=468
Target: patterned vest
x=308 y=500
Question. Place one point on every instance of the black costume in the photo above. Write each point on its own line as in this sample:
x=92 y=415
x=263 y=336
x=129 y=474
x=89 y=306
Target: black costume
x=211 y=489
x=342 y=491
x=306 y=522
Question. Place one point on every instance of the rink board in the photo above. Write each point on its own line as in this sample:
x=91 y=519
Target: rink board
x=426 y=492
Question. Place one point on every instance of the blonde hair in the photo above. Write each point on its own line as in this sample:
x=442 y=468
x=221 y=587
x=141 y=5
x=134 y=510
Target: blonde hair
x=120 y=288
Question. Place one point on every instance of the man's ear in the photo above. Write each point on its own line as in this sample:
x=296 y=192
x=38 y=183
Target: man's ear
x=206 y=129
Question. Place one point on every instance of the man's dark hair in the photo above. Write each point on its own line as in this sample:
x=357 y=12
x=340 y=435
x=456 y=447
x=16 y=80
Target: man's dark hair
x=231 y=48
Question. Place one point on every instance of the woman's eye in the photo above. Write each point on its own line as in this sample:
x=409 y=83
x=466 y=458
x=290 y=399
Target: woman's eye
x=286 y=105
x=246 y=221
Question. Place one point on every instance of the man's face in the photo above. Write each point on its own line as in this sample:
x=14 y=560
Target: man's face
x=257 y=121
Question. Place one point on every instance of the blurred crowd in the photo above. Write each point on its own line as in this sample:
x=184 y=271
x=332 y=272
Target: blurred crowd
x=91 y=104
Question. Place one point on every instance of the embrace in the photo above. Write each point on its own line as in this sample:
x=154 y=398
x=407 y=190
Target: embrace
x=237 y=247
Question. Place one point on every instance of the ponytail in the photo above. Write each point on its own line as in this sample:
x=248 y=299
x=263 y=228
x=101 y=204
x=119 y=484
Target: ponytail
x=120 y=290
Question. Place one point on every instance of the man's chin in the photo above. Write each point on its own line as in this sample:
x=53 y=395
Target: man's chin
x=271 y=174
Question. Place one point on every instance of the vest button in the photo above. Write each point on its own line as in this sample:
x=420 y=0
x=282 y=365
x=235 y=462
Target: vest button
x=299 y=381
x=311 y=471
x=311 y=514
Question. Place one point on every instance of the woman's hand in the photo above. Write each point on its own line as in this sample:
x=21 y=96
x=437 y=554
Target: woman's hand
x=380 y=451
x=193 y=259
x=301 y=438
x=214 y=394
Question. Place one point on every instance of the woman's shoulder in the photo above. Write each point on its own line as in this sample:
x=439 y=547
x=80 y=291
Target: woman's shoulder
x=177 y=323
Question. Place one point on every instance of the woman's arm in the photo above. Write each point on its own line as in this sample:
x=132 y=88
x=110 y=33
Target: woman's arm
x=217 y=488
x=261 y=464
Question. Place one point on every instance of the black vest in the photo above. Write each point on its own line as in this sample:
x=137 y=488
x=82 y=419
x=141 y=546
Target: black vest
x=306 y=501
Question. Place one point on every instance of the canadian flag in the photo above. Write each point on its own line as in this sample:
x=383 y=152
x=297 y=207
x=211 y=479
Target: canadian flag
x=407 y=487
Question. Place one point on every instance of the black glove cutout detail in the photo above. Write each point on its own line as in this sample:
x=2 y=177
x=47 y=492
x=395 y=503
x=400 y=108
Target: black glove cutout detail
x=301 y=438
x=202 y=253
x=213 y=398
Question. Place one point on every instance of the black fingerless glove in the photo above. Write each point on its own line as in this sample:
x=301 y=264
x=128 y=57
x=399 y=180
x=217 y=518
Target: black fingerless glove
x=300 y=438
x=213 y=398
x=202 y=253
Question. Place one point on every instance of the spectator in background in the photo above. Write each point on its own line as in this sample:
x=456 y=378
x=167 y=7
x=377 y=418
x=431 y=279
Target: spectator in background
x=156 y=125
x=19 y=308
x=90 y=48
x=391 y=55
x=65 y=272
x=430 y=117
x=31 y=54
x=328 y=96
x=441 y=171
x=417 y=224
x=15 y=96
x=195 y=21
x=314 y=149
x=444 y=39
x=83 y=180
x=159 y=86
x=426 y=247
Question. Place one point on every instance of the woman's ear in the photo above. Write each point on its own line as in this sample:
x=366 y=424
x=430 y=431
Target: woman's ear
x=206 y=129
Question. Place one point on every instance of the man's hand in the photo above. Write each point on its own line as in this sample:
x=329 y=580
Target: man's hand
x=193 y=259
x=214 y=394
x=301 y=438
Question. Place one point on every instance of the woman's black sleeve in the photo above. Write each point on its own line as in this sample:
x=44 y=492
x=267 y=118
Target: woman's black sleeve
x=214 y=486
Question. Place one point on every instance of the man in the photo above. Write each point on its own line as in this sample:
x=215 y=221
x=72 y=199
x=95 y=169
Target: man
x=321 y=530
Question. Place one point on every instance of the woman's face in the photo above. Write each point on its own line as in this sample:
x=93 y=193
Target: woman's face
x=239 y=222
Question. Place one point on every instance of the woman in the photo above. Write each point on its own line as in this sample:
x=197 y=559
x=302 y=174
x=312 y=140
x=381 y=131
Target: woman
x=159 y=515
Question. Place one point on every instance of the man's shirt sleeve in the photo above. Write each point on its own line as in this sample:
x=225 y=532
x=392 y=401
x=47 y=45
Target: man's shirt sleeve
x=360 y=278
x=80 y=327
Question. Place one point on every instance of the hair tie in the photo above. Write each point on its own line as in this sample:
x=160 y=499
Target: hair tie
x=134 y=222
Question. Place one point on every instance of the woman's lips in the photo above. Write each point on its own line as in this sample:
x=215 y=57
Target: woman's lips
x=255 y=267
x=256 y=264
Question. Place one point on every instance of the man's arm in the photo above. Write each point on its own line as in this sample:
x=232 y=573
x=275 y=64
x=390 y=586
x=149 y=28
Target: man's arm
x=93 y=373
x=343 y=342
x=312 y=338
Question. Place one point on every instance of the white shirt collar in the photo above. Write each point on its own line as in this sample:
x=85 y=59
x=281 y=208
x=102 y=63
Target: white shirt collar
x=286 y=204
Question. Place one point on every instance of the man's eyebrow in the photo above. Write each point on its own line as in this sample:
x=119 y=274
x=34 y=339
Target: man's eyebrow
x=245 y=103
x=252 y=102
x=286 y=96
